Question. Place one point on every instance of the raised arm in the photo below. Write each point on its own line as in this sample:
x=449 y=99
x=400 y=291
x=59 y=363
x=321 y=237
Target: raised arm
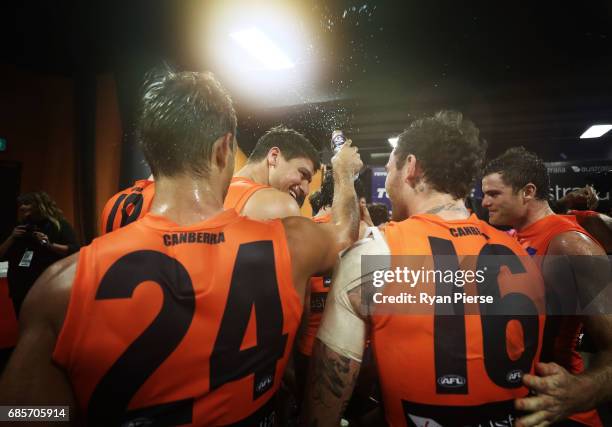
x=345 y=207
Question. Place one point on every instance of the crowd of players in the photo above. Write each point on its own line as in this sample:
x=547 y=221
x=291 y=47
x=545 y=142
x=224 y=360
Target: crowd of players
x=221 y=305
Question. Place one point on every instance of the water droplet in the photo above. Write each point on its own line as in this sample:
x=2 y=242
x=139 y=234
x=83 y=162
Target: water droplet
x=344 y=14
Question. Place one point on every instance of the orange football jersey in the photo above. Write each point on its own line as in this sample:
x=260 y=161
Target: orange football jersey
x=127 y=206
x=459 y=369
x=561 y=332
x=239 y=192
x=172 y=325
x=319 y=288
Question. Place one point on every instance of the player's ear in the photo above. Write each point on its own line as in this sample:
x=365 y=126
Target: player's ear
x=411 y=169
x=223 y=151
x=528 y=192
x=273 y=156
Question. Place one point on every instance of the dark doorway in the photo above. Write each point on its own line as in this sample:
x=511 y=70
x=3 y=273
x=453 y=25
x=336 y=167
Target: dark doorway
x=10 y=182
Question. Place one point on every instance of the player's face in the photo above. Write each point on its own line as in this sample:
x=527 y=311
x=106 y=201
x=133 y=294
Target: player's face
x=293 y=176
x=505 y=206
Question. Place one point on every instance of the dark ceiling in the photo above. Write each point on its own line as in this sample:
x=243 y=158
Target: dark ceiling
x=528 y=73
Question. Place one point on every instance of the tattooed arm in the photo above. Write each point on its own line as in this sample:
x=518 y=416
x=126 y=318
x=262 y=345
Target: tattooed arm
x=340 y=343
x=331 y=380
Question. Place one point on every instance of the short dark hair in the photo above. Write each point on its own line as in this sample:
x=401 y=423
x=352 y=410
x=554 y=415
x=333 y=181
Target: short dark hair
x=448 y=149
x=327 y=189
x=315 y=202
x=182 y=115
x=519 y=167
x=291 y=143
x=379 y=213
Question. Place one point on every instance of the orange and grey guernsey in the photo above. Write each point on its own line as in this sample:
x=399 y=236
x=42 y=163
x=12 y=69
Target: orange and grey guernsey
x=173 y=325
x=127 y=206
x=561 y=332
x=459 y=369
x=239 y=192
x=319 y=288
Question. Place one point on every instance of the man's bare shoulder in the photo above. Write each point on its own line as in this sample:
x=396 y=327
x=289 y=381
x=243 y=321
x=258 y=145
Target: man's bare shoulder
x=270 y=203
x=299 y=229
x=354 y=269
x=50 y=294
x=370 y=244
x=573 y=243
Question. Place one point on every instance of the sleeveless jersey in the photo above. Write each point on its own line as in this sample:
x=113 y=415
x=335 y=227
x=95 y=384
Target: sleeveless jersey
x=181 y=325
x=239 y=192
x=319 y=288
x=561 y=332
x=127 y=206
x=441 y=369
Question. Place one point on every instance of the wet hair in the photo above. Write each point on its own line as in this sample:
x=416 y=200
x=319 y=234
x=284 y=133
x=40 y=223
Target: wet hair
x=315 y=202
x=291 y=143
x=44 y=206
x=327 y=189
x=379 y=213
x=181 y=116
x=448 y=150
x=519 y=167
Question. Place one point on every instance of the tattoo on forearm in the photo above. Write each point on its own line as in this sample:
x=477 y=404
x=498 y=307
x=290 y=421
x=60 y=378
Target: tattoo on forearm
x=331 y=374
x=330 y=378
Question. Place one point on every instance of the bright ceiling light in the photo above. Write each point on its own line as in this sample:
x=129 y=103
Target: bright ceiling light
x=596 y=131
x=264 y=50
x=267 y=54
x=393 y=141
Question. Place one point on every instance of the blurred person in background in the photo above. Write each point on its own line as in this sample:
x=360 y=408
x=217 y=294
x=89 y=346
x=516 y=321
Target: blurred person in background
x=379 y=214
x=41 y=237
x=315 y=202
x=581 y=204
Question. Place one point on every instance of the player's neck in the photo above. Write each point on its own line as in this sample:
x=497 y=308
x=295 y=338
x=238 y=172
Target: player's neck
x=440 y=204
x=186 y=200
x=537 y=210
x=256 y=172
